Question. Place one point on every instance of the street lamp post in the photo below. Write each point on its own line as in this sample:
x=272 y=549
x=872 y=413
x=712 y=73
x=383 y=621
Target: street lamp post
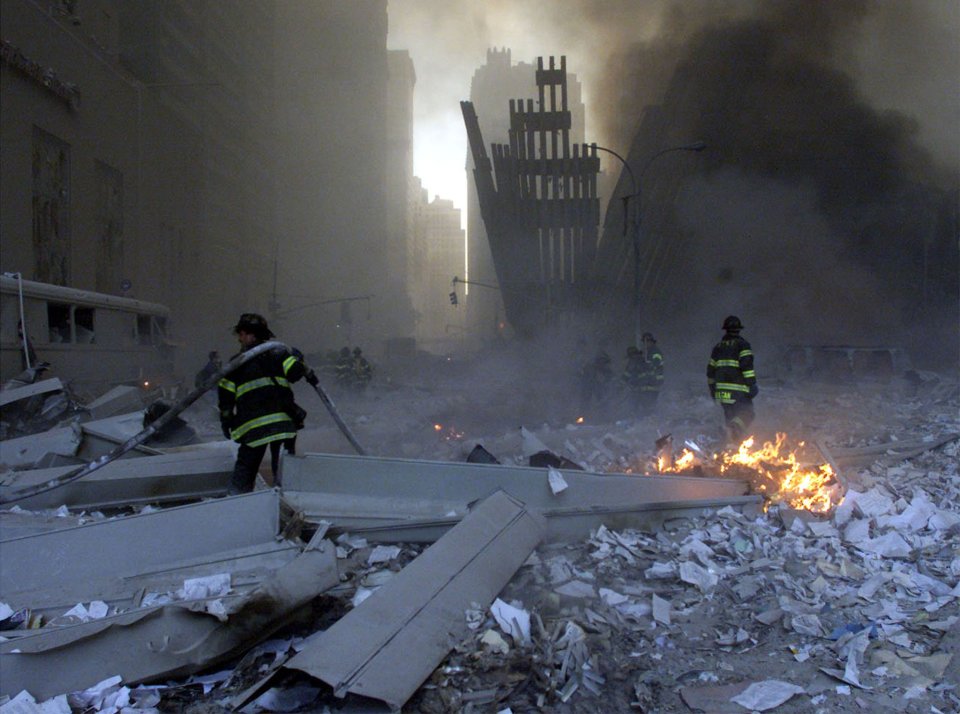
x=636 y=187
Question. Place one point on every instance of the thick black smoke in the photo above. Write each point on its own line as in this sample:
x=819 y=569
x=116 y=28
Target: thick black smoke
x=819 y=216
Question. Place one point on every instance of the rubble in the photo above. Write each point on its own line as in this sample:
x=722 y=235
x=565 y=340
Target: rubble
x=705 y=608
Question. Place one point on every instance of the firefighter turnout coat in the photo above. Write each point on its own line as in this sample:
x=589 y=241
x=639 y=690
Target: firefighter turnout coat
x=256 y=401
x=730 y=373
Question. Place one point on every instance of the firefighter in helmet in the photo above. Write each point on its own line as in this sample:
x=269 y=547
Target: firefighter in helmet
x=256 y=402
x=651 y=377
x=732 y=379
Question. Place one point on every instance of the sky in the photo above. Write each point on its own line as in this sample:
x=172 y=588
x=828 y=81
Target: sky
x=448 y=41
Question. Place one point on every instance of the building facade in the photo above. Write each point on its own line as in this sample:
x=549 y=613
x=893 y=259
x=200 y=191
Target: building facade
x=213 y=157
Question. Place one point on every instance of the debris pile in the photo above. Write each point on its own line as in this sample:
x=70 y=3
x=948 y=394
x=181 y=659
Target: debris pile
x=550 y=588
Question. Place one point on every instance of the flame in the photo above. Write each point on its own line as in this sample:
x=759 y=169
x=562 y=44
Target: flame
x=579 y=420
x=438 y=427
x=773 y=469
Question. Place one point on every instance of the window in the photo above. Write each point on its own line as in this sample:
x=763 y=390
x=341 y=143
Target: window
x=83 y=321
x=144 y=336
x=58 y=319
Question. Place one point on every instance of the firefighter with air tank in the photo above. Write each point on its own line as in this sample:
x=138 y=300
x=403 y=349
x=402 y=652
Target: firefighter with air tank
x=732 y=380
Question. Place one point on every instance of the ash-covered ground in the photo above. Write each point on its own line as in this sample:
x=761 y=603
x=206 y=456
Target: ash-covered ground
x=764 y=609
x=852 y=610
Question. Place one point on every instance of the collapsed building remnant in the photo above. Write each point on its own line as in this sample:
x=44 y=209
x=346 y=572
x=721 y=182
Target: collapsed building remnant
x=408 y=626
x=166 y=641
x=193 y=473
x=402 y=499
x=542 y=215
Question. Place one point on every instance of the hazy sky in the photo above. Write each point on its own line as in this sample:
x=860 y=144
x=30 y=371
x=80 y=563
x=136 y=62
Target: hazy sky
x=448 y=41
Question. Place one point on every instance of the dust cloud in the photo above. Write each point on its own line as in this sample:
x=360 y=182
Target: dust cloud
x=824 y=211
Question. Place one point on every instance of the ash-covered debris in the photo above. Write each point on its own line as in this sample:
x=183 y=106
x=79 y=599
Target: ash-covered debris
x=780 y=610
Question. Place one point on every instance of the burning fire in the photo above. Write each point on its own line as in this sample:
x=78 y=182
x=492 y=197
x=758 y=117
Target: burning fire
x=772 y=469
x=579 y=420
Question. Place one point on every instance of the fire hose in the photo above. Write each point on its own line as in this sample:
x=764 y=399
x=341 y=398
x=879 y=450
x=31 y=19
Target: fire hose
x=169 y=416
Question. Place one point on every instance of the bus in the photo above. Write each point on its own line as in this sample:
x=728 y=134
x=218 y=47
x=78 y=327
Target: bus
x=92 y=340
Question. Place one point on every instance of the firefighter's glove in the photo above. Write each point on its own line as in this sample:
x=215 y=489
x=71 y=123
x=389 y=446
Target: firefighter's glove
x=311 y=378
x=225 y=428
x=753 y=391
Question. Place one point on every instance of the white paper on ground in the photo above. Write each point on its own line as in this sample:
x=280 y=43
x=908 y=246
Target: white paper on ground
x=206 y=587
x=383 y=554
x=762 y=696
x=512 y=620
x=557 y=483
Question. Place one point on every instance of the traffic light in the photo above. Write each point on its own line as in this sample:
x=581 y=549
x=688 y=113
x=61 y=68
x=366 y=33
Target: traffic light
x=453 y=298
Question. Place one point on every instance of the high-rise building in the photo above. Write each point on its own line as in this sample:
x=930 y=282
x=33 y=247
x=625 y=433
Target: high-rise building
x=437 y=256
x=214 y=157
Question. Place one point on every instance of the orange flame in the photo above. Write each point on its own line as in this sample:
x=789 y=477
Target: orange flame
x=773 y=470
x=579 y=420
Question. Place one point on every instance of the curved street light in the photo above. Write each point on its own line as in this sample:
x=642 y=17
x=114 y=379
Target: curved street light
x=636 y=185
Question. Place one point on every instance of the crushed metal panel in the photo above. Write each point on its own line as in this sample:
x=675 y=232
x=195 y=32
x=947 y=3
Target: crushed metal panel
x=9 y=396
x=247 y=568
x=162 y=642
x=177 y=476
x=388 y=645
x=122 y=399
x=27 y=450
x=563 y=524
x=435 y=488
x=104 y=435
x=126 y=546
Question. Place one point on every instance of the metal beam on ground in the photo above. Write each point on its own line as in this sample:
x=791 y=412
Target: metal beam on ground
x=27 y=450
x=182 y=475
x=121 y=547
x=563 y=524
x=361 y=492
x=9 y=396
x=162 y=642
x=388 y=645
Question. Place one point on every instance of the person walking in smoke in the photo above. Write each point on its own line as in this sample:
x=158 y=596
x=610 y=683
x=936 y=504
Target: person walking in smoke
x=732 y=380
x=651 y=377
x=595 y=377
x=256 y=403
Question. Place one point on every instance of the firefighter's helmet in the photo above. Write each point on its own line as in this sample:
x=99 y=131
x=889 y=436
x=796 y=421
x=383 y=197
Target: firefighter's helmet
x=647 y=337
x=254 y=324
x=732 y=324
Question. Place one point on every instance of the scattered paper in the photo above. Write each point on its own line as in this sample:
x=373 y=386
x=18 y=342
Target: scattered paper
x=557 y=483
x=763 y=696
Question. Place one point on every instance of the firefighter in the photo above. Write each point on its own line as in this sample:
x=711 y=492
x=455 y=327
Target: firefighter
x=732 y=380
x=651 y=378
x=362 y=370
x=633 y=372
x=255 y=402
x=344 y=367
x=595 y=377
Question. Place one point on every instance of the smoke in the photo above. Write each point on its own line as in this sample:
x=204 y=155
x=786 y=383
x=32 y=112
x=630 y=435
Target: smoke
x=819 y=206
x=826 y=202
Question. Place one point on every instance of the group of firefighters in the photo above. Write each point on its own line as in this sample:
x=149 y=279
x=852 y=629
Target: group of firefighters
x=257 y=410
x=731 y=378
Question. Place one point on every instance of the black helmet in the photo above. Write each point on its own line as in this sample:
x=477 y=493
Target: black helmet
x=732 y=324
x=254 y=324
x=647 y=337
